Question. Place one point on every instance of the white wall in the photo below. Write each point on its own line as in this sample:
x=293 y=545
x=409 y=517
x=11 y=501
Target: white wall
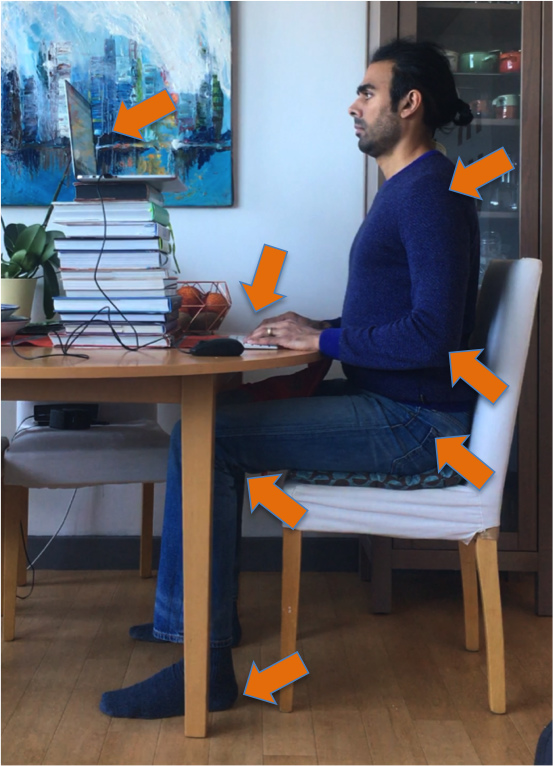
x=299 y=184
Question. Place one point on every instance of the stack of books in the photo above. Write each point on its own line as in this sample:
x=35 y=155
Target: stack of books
x=115 y=268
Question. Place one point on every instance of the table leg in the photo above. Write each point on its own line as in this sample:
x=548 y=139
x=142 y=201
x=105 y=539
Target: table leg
x=197 y=431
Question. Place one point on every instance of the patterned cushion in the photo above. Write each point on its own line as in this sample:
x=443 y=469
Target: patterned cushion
x=426 y=480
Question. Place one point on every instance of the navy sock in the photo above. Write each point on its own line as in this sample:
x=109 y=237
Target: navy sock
x=162 y=695
x=145 y=632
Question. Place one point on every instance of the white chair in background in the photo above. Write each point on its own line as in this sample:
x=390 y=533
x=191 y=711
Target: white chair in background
x=130 y=449
x=505 y=315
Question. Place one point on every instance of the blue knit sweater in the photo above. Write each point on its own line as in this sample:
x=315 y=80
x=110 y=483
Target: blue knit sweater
x=412 y=286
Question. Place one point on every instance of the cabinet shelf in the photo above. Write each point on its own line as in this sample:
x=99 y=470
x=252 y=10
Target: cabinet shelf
x=495 y=121
x=496 y=214
x=481 y=6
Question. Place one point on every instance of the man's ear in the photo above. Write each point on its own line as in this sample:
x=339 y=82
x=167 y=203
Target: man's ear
x=411 y=102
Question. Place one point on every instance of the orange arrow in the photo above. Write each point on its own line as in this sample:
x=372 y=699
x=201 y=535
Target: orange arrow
x=465 y=364
x=263 y=492
x=130 y=121
x=262 y=291
x=466 y=180
x=261 y=684
x=450 y=450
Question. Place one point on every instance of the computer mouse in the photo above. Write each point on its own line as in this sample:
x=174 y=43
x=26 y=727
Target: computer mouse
x=218 y=347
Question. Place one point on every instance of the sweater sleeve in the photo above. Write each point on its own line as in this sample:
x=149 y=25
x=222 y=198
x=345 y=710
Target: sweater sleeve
x=435 y=231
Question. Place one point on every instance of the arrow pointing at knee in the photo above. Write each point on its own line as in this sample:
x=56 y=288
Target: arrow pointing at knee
x=261 y=684
x=263 y=491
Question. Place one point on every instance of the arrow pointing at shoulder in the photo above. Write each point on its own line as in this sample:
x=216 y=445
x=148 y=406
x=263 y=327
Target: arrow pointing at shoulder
x=450 y=450
x=262 y=291
x=262 y=491
x=130 y=121
x=261 y=684
x=465 y=364
x=467 y=179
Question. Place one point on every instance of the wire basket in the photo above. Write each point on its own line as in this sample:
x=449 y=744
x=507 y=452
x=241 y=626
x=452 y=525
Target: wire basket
x=204 y=306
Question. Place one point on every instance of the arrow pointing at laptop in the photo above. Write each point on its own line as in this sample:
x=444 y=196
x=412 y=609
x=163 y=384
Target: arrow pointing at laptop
x=129 y=122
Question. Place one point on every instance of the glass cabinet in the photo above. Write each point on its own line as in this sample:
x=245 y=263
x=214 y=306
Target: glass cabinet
x=495 y=52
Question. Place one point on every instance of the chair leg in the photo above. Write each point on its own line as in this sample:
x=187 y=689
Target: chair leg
x=467 y=554
x=147 y=531
x=488 y=572
x=381 y=577
x=23 y=537
x=291 y=569
x=16 y=499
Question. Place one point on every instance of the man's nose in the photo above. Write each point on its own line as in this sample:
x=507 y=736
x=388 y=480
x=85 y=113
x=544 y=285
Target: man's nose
x=354 y=110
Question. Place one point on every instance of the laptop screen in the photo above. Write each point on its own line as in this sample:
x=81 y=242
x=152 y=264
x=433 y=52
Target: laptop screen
x=82 y=137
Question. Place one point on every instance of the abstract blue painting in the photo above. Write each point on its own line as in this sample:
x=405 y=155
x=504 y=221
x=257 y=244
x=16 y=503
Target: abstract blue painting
x=113 y=52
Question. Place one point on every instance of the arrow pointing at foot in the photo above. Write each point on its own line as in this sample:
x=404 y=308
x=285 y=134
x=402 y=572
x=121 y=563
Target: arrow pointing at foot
x=262 y=291
x=450 y=450
x=263 y=491
x=130 y=121
x=260 y=685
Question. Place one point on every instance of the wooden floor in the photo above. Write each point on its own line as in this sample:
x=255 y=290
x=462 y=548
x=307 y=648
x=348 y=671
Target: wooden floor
x=396 y=689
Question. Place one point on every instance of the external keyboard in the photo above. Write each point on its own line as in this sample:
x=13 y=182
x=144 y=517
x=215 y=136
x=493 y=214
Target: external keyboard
x=253 y=346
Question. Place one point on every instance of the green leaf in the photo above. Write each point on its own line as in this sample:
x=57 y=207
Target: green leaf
x=32 y=239
x=51 y=289
x=19 y=257
x=11 y=233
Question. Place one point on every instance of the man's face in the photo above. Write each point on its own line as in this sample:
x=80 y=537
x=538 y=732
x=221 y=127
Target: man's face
x=378 y=128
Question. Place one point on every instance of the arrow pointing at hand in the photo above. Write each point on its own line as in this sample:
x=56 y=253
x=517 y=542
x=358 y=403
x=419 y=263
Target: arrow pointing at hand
x=467 y=179
x=130 y=121
x=263 y=492
x=262 y=291
x=261 y=684
x=450 y=450
x=465 y=364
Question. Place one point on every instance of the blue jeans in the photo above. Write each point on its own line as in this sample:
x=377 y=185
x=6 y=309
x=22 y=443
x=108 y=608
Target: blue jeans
x=341 y=428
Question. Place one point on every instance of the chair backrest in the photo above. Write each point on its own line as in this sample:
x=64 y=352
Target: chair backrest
x=110 y=413
x=504 y=318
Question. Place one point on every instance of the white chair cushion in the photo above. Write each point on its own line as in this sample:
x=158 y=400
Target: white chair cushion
x=454 y=513
x=126 y=453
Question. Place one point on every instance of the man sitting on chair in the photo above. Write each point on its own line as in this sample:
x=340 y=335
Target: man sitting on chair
x=410 y=300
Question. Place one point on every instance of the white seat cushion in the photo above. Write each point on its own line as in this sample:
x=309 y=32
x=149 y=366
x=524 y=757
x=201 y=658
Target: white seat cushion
x=121 y=453
x=454 y=513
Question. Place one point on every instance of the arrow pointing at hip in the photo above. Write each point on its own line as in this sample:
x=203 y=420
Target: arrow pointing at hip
x=261 y=684
x=130 y=121
x=467 y=179
x=262 y=491
x=450 y=450
x=465 y=364
x=262 y=291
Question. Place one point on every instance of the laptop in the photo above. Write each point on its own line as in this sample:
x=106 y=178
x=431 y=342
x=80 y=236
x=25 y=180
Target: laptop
x=83 y=155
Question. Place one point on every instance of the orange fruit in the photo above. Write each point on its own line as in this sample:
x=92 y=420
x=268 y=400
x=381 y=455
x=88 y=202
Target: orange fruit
x=192 y=298
x=215 y=301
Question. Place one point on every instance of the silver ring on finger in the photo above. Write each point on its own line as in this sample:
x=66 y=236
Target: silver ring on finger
x=269 y=331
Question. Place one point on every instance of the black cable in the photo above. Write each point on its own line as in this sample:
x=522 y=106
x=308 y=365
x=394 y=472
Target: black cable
x=32 y=585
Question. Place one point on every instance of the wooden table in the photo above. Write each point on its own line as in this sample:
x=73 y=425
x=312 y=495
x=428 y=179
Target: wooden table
x=159 y=376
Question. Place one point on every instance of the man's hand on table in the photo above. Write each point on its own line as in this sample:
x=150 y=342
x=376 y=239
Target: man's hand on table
x=289 y=330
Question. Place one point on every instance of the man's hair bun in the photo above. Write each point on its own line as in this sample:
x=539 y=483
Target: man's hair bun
x=464 y=114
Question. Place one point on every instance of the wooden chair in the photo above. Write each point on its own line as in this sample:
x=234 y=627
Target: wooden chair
x=131 y=449
x=505 y=315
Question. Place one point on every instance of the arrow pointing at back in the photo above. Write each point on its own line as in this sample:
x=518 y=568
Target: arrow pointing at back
x=467 y=179
x=130 y=121
x=465 y=364
x=262 y=291
x=263 y=492
x=261 y=684
x=450 y=450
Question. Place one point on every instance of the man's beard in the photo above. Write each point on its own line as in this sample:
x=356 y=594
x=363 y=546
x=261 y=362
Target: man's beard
x=380 y=137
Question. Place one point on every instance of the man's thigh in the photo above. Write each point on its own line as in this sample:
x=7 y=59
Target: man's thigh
x=344 y=432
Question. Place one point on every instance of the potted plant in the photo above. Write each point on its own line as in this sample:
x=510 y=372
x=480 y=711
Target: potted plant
x=27 y=250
